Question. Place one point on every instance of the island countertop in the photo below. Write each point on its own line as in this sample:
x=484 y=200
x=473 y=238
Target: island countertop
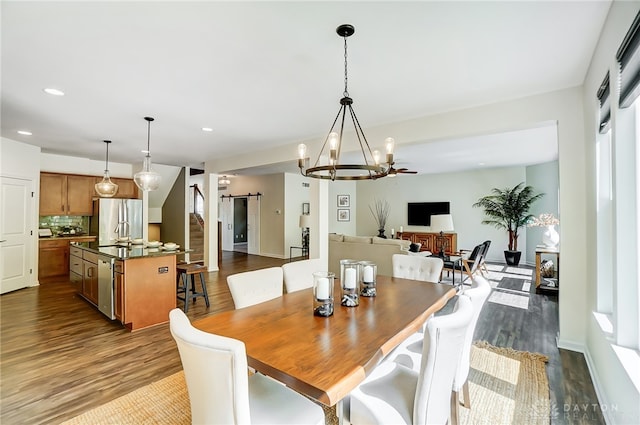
x=128 y=251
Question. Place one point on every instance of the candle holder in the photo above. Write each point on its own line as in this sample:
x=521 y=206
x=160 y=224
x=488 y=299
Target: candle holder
x=368 y=273
x=349 y=279
x=323 y=293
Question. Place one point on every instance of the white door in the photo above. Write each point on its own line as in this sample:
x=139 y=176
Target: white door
x=253 y=225
x=226 y=208
x=15 y=233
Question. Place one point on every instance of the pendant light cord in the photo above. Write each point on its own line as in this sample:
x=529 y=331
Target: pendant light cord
x=346 y=92
x=148 y=138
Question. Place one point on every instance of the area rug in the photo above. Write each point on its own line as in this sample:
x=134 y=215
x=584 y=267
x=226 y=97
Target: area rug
x=506 y=387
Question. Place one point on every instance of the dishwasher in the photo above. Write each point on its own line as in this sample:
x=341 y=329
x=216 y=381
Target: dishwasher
x=105 y=285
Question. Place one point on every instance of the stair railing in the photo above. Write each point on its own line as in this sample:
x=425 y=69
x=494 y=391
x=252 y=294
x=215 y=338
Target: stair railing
x=198 y=202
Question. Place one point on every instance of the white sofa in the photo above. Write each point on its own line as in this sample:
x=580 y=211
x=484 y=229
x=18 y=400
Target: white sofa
x=362 y=248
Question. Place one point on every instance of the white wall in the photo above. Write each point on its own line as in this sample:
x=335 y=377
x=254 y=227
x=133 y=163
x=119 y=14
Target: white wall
x=342 y=188
x=544 y=178
x=295 y=194
x=84 y=166
x=613 y=384
x=21 y=161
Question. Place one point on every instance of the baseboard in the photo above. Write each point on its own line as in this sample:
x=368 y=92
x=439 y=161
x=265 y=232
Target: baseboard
x=602 y=399
x=570 y=345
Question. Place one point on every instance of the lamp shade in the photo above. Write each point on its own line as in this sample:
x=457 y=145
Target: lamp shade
x=305 y=221
x=441 y=223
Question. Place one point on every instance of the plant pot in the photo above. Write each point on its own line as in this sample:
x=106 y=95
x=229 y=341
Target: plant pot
x=512 y=257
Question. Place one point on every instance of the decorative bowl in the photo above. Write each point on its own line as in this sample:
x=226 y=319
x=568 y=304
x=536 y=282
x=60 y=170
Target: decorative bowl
x=137 y=241
x=154 y=244
x=170 y=245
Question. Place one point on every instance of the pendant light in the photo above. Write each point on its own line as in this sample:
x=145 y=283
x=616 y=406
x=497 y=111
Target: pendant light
x=370 y=168
x=147 y=179
x=106 y=188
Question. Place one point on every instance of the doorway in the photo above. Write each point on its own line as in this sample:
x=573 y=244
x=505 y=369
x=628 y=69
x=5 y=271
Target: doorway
x=240 y=224
x=243 y=234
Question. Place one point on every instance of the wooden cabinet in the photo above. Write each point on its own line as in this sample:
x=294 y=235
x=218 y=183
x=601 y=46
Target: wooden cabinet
x=80 y=195
x=429 y=241
x=127 y=188
x=119 y=291
x=62 y=194
x=90 y=276
x=76 y=271
x=53 y=263
x=70 y=194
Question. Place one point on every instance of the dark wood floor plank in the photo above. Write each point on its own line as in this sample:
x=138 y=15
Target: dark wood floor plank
x=60 y=357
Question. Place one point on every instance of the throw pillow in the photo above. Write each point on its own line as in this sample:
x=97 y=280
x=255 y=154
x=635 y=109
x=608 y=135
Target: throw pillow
x=415 y=247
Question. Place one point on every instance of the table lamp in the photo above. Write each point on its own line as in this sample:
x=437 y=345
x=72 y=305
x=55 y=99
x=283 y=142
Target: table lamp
x=305 y=222
x=441 y=223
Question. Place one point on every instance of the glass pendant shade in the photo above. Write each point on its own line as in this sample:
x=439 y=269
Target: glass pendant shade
x=106 y=188
x=147 y=179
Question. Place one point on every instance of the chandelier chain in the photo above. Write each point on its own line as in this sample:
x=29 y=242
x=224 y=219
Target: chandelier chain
x=346 y=92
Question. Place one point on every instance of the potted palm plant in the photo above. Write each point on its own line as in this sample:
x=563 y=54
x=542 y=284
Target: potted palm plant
x=509 y=209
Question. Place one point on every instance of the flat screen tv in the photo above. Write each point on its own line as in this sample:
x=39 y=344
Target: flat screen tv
x=419 y=213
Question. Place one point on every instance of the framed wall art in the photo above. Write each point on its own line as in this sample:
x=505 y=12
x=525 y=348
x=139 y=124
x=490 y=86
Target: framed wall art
x=344 y=215
x=343 y=201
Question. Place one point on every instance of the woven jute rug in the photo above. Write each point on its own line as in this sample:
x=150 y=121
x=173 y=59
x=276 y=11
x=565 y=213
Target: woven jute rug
x=506 y=387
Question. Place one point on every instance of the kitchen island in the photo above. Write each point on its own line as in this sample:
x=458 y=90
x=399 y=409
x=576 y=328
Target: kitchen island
x=133 y=284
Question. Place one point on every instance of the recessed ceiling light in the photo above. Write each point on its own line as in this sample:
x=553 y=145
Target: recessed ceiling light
x=54 y=92
x=145 y=151
x=480 y=163
x=24 y=132
x=207 y=129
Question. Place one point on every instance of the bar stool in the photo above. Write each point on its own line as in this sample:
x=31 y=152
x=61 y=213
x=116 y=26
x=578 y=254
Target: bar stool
x=186 y=274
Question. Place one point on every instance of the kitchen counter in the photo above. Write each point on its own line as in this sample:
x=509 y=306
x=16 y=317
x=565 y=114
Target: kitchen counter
x=137 y=287
x=128 y=252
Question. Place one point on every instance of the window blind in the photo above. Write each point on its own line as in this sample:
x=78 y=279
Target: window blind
x=628 y=57
x=605 y=106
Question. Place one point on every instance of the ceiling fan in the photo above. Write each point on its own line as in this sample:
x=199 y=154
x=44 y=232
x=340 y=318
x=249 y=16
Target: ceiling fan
x=394 y=172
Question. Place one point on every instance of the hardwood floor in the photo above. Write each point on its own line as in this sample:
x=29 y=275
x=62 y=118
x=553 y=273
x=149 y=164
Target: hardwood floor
x=61 y=357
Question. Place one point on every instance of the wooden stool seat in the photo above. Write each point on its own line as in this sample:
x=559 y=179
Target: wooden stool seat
x=186 y=283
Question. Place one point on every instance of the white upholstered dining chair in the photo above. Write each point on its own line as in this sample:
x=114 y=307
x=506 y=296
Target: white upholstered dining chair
x=299 y=274
x=395 y=394
x=427 y=269
x=254 y=287
x=220 y=390
x=478 y=294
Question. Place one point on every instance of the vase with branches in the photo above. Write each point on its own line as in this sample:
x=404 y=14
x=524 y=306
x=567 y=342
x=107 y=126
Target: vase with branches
x=380 y=212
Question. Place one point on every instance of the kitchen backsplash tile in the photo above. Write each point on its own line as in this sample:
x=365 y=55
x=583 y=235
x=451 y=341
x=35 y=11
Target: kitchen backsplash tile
x=65 y=224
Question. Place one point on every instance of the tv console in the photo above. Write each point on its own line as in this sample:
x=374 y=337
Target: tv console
x=428 y=240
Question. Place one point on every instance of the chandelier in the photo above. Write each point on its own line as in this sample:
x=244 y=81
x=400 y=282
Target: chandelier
x=147 y=179
x=370 y=167
x=106 y=188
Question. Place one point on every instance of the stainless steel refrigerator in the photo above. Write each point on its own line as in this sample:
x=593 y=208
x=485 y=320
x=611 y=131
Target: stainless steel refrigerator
x=116 y=218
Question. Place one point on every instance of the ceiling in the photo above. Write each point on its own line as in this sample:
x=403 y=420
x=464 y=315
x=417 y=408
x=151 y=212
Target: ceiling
x=262 y=74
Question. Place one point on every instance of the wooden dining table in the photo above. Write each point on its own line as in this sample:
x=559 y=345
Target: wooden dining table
x=325 y=358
